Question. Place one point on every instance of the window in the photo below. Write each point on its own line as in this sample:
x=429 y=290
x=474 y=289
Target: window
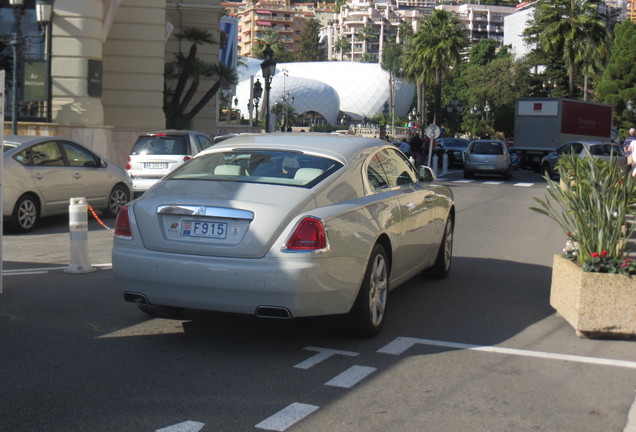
x=43 y=154
x=78 y=156
x=389 y=168
x=258 y=166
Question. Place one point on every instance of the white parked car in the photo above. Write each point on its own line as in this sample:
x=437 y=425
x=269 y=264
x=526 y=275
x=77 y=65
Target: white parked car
x=283 y=226
x=42 y=174
x=157 y=153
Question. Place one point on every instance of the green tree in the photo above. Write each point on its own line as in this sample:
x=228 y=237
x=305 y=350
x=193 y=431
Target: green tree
x=309 y=49
x=343 y=44
x=392 y=59
x=569 y=30
x=188 y=71
x=618 y=82
x=272 y=38
x=366 y=35
x=437 y=46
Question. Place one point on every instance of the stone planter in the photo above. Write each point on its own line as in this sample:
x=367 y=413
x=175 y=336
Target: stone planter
x=595 y=304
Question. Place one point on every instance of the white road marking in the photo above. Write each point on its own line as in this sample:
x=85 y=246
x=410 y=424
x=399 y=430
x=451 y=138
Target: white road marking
x=631 y=419
x=323 y=354
x=186 y=426
x=287 y=417
x=43 y=270
x=463 y=181
x=523 y=184
x=492 y=182
x=351 y=376
x=401 y=344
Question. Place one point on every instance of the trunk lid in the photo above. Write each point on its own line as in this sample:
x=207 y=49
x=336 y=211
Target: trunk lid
x=217 y=218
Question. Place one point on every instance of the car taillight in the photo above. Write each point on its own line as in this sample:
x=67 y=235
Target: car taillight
x=128 y=166
x=122 y=224
x=309 y=235
x=186 y=158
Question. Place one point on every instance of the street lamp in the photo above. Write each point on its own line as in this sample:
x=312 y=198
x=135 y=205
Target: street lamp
x=487 y=110
x=385 y=112
x=268 y=67
x=43 y=14
x=257 y=91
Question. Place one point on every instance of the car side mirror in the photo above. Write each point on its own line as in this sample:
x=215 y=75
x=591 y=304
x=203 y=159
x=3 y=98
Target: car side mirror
x=426 y=173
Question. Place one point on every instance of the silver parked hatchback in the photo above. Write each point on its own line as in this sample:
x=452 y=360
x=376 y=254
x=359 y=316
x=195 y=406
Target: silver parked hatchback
x=487 y=157
x=42 y=174
x=155 y=154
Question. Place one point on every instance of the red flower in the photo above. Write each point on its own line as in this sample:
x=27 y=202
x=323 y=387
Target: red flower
x=628 y=260
x=595 y=255
x=604 y=253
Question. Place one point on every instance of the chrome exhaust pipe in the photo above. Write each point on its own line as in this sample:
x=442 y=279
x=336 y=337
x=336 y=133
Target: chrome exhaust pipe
x=135 y=298
x=273 y=312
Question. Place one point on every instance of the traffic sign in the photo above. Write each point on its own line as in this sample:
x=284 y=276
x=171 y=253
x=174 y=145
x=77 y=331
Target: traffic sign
x=433 y=131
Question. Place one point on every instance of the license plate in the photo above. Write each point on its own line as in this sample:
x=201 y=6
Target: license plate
x=486 y=167
x=156 y=165
x=213 y=230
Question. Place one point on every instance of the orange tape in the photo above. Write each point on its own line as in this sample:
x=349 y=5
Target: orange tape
x=90 y=208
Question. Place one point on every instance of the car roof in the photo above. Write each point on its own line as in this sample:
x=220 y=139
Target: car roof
x=341 y=147
x=488 y=140
x=174 y=132
x=23 y=140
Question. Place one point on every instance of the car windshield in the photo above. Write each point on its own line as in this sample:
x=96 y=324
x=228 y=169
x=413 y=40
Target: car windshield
x=487 y=148
x=160 y=145
x=258 y=166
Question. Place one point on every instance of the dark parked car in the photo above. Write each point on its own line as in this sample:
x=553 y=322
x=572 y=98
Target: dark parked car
x=454 y=148
x=603 y=150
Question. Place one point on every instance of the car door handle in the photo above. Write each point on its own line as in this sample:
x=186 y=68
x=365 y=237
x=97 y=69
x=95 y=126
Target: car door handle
x=38 y=176
x=77 y=175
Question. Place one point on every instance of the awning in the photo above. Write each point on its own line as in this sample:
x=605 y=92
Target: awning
x=264 y=23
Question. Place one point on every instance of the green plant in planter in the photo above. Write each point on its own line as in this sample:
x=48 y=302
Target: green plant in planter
x=591 y=204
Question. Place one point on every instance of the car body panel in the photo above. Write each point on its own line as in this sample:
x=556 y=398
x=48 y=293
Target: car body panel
x=54 y=185
x=256 y=268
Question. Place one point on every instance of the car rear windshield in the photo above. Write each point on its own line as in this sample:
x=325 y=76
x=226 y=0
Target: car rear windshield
x=161 y=145
x=606 y=150
x=258 y=166
x=487 y=148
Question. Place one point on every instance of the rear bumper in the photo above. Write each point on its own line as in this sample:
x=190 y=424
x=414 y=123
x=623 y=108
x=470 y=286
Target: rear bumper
x=141 y=185
x=305 y=285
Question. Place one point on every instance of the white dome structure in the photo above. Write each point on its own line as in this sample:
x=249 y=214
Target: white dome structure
x=356 y=89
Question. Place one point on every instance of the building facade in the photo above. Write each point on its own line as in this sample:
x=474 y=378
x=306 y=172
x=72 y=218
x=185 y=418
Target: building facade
x=106 y=60
x=276 y=15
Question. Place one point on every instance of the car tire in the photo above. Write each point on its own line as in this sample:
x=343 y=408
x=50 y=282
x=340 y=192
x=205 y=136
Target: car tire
x=442 y=265
x=547 y=172
x=156 y=311
x=119 y=197
x=26 y=214
x=368 y=312
x=508 y=174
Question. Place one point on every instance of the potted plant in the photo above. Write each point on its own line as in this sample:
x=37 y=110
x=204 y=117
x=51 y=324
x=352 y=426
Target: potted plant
x=593 y=285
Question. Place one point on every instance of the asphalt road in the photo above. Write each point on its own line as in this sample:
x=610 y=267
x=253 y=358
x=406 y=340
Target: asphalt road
x=479 y=351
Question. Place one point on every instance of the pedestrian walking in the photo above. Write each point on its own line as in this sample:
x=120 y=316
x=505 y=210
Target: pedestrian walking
x=416 y=148
x=629 y=145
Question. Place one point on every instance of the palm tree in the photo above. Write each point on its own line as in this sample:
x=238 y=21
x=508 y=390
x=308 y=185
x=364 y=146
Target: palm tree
x=569 y=29
x=366 y=35
x=272 y=38
x=437 y=47
x=342 y=45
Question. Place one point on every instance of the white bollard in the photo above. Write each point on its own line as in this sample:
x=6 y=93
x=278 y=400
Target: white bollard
x=78 y=227
x=445 y=164
x=435 y=166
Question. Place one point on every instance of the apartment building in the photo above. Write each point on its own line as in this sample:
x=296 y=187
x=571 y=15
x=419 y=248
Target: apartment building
x=277 y=15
